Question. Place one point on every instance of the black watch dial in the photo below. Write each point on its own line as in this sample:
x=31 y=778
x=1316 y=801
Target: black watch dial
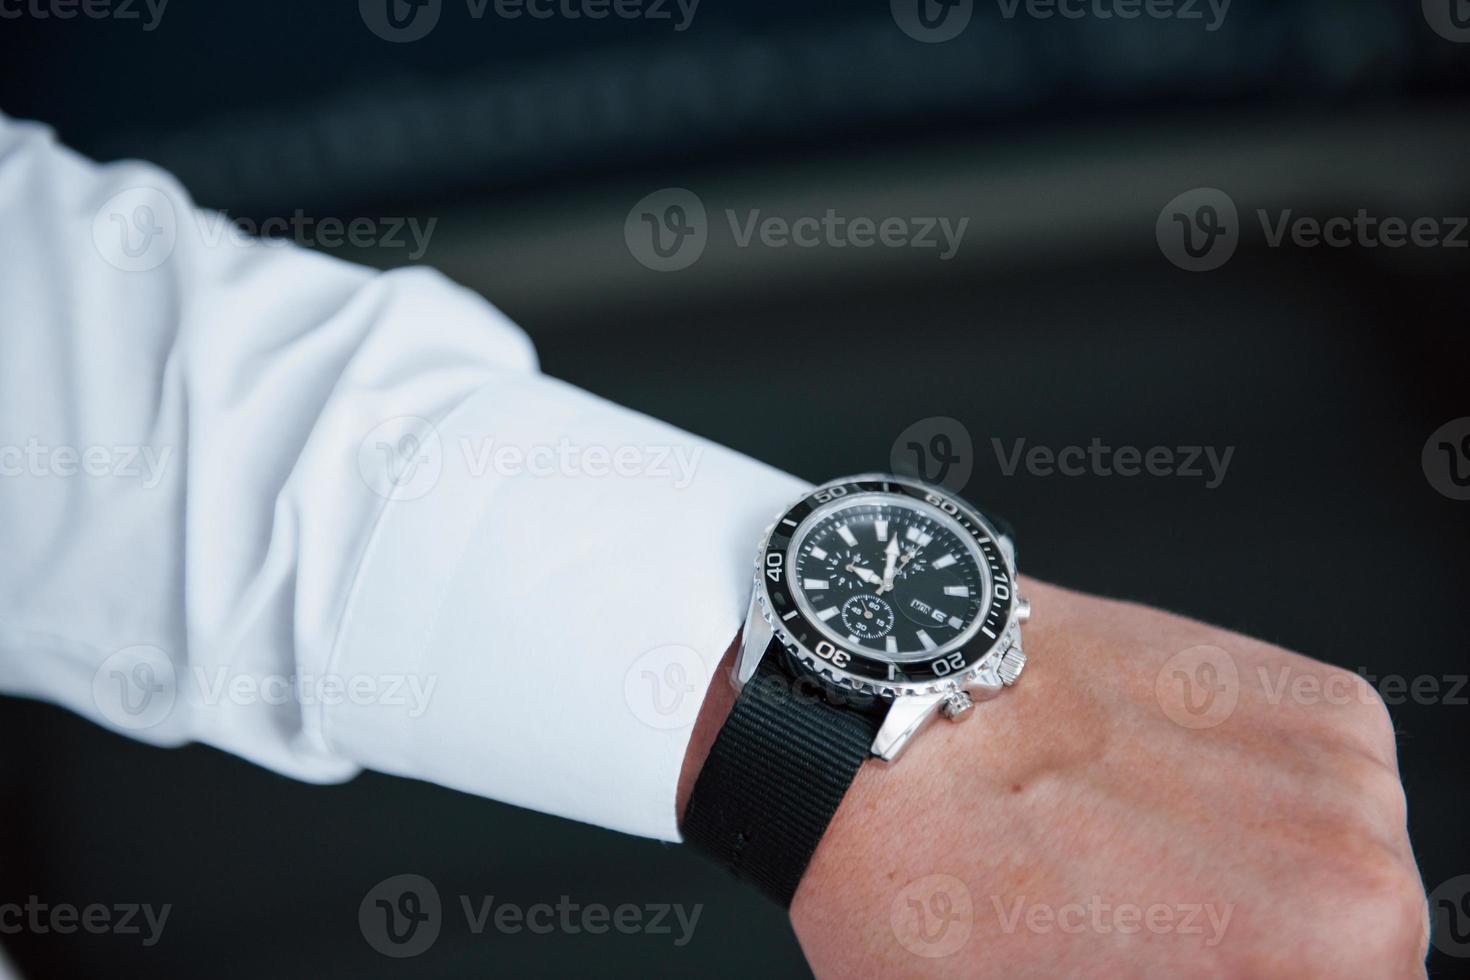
x=895 y=577
x=886 y=584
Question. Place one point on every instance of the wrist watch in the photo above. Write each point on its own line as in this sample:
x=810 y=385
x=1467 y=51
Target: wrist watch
x=879 y=602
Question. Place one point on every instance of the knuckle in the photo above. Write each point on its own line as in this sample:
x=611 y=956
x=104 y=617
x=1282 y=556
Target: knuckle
x=1398 y=907
x=1381 y=907
x=1359 y=796
x=1365 y=713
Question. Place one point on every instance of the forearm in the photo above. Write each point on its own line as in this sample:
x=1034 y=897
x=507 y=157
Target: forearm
x=377 y=536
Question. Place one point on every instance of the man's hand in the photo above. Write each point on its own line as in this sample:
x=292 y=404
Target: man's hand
x=1155 y=797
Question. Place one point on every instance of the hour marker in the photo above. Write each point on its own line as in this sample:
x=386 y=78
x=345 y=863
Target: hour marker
x=926 y=640
x=846 y=535
x=811 y=584
x=890 y=644
x=880 y=527
x=918 y=537
x=957 y=590
x=789 y=615
x=955 y=622
x=818 y=554
x=853 y=638
x=986 y=631
x=944 y=562
x=827 y=613
x=789 y=521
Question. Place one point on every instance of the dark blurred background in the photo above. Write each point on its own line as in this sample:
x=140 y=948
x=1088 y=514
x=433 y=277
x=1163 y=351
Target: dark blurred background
x=1060 y=318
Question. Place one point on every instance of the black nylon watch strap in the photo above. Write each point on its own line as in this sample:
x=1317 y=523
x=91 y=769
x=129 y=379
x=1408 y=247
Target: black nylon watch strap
x=775 y=774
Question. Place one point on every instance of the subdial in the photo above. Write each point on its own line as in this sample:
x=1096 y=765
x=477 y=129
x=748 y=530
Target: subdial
x=867 y=617
x=849 y=570
x=911 y=561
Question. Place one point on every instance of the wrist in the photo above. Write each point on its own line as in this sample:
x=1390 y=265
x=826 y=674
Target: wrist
x=712 y=713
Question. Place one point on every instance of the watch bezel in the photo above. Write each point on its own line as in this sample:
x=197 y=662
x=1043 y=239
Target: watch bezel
x=864 y=669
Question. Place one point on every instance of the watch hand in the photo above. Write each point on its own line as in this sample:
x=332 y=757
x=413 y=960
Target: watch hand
x=866 y=574
x=892 y=552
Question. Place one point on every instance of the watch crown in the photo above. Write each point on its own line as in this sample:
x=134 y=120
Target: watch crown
x=1011 y=665
x=958 y=705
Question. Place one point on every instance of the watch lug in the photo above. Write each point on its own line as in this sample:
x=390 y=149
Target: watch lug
x=986 y=684
x=903 y=721
x=755 y=638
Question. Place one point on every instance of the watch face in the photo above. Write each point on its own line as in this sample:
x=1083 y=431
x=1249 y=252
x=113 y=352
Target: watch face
x=887 y=584
x=899 y=578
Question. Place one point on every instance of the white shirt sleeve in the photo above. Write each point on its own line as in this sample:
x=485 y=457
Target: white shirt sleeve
x=326 y=518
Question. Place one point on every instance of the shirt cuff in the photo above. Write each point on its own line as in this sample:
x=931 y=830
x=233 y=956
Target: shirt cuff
x=548 y=589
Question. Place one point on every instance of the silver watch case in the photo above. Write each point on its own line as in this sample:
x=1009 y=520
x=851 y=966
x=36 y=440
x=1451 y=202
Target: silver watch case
x=911 y=705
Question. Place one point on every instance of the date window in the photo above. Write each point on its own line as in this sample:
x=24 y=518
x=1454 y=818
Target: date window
x=923 y=608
